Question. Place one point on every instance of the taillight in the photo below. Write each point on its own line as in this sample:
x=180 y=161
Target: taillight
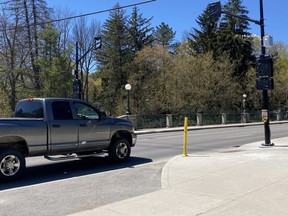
x=29 y=99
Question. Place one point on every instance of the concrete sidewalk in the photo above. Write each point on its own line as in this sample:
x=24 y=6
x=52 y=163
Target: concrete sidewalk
x=249 y=180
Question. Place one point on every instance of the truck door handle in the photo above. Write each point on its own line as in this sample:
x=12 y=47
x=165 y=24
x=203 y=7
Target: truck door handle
x=56 y=126
x=83 y=125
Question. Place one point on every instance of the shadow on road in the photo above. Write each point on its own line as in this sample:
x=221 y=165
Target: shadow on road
x=69 y=169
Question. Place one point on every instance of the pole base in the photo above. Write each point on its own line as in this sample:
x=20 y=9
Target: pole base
x=267 y=145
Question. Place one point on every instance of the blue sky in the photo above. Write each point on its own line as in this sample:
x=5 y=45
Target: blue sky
x=181 y=14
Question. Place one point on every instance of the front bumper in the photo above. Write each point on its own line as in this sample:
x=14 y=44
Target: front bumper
x=134 y=139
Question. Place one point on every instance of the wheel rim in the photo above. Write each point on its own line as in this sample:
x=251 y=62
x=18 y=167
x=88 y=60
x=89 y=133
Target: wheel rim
x=10 y=165
x=122 y=150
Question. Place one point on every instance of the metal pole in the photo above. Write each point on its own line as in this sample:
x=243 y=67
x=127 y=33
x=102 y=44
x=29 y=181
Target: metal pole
x=263 y=51
x=77 y=81
x=265 y=98
x=77 y=62
x=185 y=137
x=128 y=112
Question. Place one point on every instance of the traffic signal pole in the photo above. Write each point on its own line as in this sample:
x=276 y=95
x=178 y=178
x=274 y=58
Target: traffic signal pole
x=264 y=77
x=77 y=85
x=265 y=98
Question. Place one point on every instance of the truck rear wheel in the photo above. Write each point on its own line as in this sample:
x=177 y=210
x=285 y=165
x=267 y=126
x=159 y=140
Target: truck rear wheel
x=119 y=150
x=12 y=164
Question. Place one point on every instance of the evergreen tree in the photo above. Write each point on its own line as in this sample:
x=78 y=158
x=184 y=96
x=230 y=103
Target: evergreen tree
x=233 y=38
x=113 y=57
x=234 y=24
x=204 y=40
x=139 y=30
x=164 y=35
x=55 y=65
x=226 y=36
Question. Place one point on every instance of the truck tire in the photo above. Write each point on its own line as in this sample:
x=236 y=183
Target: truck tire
x=12 y=164
x=119 y=150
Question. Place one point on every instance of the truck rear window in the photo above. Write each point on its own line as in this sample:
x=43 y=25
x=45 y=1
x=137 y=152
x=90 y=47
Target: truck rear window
x=29 y=109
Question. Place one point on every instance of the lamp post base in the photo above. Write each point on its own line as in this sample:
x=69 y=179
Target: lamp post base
x=265 y=145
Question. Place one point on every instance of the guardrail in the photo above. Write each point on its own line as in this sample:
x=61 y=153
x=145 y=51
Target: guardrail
x=199 y=119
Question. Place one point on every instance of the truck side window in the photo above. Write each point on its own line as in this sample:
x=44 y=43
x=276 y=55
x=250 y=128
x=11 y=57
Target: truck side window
x=84 y=111
x=61 y=110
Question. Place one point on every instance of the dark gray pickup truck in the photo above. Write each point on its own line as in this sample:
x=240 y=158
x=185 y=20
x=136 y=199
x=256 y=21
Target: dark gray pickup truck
x=60 y=128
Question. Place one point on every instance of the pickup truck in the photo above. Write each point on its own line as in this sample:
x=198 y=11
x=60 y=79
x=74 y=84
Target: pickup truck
x=60 y=128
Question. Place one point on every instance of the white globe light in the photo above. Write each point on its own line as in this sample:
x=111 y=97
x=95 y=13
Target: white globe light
x=128 y=87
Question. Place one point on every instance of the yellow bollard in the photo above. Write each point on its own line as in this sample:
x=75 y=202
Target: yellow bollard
x=185 y=137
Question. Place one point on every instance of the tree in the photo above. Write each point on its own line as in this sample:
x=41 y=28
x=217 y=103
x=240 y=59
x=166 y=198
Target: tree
x=226 y=36
x=36 y=14
x=234 y=24
x=85 y=35
x=182 y=83
x=139 y=31
x=55 y=65
x=21 y=22
x=279 y=96
x=151 y=68
x=203 y=84
x=164 y=35
x=12 y=52
x=205 y=39
x=233 y=38
x=113 y=58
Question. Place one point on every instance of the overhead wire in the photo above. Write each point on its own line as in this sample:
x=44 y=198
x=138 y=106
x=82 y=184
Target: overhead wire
x=83 y=15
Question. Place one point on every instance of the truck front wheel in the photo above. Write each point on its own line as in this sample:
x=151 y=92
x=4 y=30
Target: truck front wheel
x=12 y=164
x=119 y=150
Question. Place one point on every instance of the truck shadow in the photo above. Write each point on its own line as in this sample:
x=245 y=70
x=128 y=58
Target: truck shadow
x=55 y=171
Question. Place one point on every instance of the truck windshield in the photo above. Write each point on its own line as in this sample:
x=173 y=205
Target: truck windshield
x=29 y=109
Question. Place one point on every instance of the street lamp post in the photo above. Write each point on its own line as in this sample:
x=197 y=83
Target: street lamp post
x=244 y=108
x=128 y=89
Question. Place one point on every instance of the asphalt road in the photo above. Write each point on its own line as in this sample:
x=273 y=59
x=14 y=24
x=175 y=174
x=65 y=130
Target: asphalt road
x=61 y=188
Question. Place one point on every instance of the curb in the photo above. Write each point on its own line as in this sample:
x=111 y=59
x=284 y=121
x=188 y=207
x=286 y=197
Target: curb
x=175 y=129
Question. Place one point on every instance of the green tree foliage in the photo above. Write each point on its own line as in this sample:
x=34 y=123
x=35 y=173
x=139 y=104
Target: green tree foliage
x=35 y=12
x=182 y=83
x=203 y=84
x=234 y=39
x=279 y=96
x=228 y=36
x=139 y=30
x=151 y=69
x=20 y=21
x=113 y=57
x=234 y=24
x=122 y=37
x=164 y=35
x=205 y=39
x=55 y=66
